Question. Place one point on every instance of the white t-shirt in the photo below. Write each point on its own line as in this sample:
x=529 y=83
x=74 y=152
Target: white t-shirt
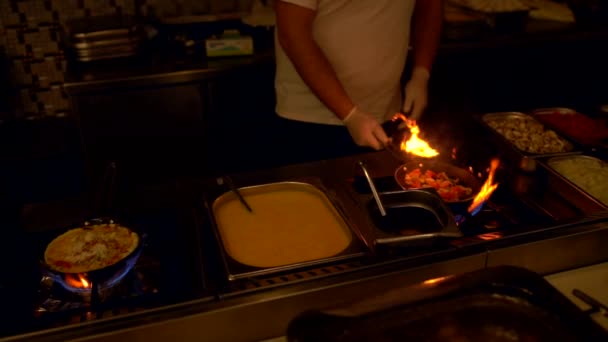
x=366 y=42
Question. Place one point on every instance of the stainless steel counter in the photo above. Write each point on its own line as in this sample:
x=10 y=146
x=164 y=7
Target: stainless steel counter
x=264 y=312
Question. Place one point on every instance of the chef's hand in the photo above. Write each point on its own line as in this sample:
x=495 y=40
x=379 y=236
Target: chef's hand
x=365 y=129
x=416 y=93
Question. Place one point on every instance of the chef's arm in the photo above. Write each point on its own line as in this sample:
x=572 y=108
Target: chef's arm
x=294 y=30
x=427 y=22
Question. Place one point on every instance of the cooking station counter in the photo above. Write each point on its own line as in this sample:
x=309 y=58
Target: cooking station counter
x=528 y=219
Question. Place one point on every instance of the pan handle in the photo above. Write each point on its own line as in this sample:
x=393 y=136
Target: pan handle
x=105 y=194
x=423 y=237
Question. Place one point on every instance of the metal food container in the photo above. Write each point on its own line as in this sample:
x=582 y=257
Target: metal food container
x=582 y=160
x=236 y=269
x=526 y=159
x=582 y=138
x=560 y=110
x=413 y=217
x=104 y=37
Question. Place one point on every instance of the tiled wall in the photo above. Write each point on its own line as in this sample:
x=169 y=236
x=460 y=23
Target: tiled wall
x=30 y=39
x=29 y=36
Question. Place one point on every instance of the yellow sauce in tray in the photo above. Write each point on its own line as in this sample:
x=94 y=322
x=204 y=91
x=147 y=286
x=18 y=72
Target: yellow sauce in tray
x=287 y=226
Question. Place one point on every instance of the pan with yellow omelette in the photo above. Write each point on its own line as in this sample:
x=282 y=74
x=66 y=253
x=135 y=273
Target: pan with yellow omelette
x=92 y=247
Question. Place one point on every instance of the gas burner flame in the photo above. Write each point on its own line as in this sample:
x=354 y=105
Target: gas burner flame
x=77 y=281
x=460 y=219
x=491 y=236
x=414 y=144
x=486 y=189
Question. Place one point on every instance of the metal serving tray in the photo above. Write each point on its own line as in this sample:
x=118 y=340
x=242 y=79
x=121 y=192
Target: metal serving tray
x=413 y=217
x=560 y=110
x=539 y=113
x=526 y=159
x=236 y=270
x=550 y=166
x=118 y=42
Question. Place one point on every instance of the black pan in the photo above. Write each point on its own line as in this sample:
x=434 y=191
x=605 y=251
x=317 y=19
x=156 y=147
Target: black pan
x=495 y=304
x=104 y=277
x=397 y=135
x=107 y=276
x=464 y=177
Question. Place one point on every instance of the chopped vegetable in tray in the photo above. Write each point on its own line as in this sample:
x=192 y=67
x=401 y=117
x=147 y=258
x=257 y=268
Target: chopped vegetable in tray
x=578 y=126
x=589 y=174
x=448 y=188
x=529 y=135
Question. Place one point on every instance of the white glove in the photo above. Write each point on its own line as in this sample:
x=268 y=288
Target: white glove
x=416 y=93
x=365 y=129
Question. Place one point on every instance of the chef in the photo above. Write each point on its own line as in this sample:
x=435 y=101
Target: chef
x=339 y=65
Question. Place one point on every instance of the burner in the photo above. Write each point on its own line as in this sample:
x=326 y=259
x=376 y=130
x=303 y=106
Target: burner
x=77 y=297
x=83 y=283
x=490 y=218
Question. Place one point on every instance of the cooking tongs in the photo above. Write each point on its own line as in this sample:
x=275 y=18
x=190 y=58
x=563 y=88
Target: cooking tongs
x=373 y=188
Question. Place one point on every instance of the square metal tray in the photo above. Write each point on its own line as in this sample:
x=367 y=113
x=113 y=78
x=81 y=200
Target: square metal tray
x=525 y=160
x=236 y=270
x=591 y=144
x=416 y=216
x=548 y=162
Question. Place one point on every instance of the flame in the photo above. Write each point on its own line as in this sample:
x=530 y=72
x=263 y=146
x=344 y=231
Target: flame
x=80 y=283
x=435 y=280
x=84 y=282
x=414 y=144
x=491 y=236
x=486 y=189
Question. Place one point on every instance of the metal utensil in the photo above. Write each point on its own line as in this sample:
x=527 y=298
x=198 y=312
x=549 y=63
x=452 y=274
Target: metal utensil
x=103 y=205
x=373 y=188
x=594 y=303
x=234 y=189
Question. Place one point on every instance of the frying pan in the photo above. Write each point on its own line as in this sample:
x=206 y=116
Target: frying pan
x=103 y=277
x=110 y=274
x=464 y=177
x=503 y=303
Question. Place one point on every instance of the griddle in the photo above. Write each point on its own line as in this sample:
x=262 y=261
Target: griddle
x=496 y=304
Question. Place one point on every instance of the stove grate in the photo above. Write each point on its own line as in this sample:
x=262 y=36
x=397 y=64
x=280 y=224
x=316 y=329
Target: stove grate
x=294 y=277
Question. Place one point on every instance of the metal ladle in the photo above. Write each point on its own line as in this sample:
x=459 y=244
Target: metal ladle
x=235 y=190
x=373 y=188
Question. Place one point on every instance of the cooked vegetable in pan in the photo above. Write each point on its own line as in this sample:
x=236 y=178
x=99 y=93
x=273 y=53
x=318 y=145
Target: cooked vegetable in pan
x=448 y=188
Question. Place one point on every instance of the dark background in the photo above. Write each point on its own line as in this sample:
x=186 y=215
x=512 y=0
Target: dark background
x=172 y=113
